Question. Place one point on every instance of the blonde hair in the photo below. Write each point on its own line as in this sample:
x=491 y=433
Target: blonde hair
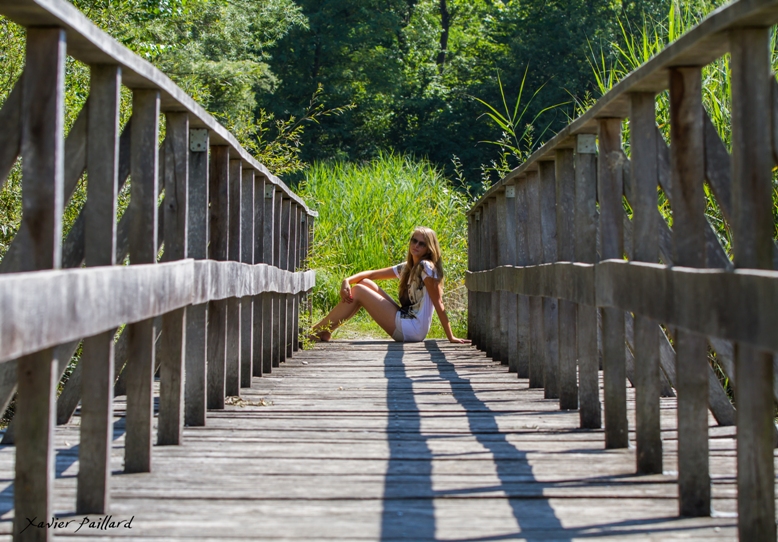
x=411 y=271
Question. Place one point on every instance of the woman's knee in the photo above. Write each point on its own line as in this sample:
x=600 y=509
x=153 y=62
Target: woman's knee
x=367 y=283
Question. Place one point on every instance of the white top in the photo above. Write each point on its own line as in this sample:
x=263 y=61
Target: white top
x=417 y=318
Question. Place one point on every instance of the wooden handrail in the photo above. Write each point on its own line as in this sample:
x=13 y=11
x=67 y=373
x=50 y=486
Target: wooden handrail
x=560 y=277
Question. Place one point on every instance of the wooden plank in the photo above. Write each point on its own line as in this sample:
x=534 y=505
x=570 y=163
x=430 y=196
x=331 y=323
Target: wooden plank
x=247 y=256
x=565 y=228
x=259 y=248
x=753 y=248
x=298 y=235
x=143 y=249
x=285 y=242
x=522 y=258
x=97 y=357
x=12 y=135
x=509 y=257
x=41 y=230
x=546 y=173
x=645 y=180
x=535 y=250
x=586 y=251
x=197 y=247
x=688 y=171
x=232 y=371
x=495 y=313
x=268 y=300
x=278 y=300
x=218 y=222
x=291 y=334
x=610 y=190
x=500 y=237
x=176 y=211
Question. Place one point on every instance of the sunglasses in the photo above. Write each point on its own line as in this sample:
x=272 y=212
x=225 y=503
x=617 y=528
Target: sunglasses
x=415 y=242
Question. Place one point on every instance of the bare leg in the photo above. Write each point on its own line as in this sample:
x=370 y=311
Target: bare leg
x=373 y=286
x=382 y=309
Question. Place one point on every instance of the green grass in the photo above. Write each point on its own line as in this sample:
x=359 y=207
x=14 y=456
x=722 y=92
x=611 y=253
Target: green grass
x=367 y=213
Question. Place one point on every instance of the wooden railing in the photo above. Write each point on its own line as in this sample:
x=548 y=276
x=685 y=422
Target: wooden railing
x=222 y=305
x=552 y=251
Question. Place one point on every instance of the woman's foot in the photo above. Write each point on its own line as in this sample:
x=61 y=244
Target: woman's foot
x=322 y=336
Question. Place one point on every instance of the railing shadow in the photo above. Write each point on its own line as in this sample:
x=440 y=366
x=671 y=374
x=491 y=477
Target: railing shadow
x=64 y=458
x=408 y=506
x=510 y=462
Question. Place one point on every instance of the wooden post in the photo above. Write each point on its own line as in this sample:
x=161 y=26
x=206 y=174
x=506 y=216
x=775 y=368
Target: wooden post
x=610 y=191
x=278 y=299
x=645 y=180
x=173 y=338
x=197 y=248
x=752 y=242
x=687 y=157
x=97 y=358
x=586 y=252
x=42 y=202
x=218 y=222
x=477 y=298
x=547 y=174
x=298 y=249
x=471 y=334
x=502 y=257
x=509 y=258
x=283 y=263
x=291 y=333
x=269 y=300
x=522 y=259
x=232 y=373
x=565 y=227
x=537 y=351
x=496 y=315
x=486 y=254
x=259 y=247
x=247 y=256
x=143 y=250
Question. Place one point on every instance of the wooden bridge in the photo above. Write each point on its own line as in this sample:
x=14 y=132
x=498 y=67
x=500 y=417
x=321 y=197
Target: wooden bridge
x=256 y=439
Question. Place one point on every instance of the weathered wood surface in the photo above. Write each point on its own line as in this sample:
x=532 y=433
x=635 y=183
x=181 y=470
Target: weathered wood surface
x=378 y=440
x=72 y=298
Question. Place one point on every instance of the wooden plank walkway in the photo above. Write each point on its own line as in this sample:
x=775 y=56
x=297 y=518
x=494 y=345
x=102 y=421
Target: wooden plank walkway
x=383 y=441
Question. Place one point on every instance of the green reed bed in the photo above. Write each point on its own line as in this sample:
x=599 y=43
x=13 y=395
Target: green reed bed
x=367 y=213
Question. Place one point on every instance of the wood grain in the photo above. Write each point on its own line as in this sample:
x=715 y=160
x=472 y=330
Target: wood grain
x=39 y=235
x=752 y=244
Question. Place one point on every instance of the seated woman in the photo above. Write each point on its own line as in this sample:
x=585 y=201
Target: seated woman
x=421 y=290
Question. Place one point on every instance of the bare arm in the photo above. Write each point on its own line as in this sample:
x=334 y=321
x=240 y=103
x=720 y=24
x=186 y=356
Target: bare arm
x=435 y=291
x=374 y=274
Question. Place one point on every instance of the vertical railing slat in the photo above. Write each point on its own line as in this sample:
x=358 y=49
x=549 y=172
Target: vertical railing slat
x=753 y=230
x=547 y=174
x=687 y=158
x=97 y=358
x=197 y=248
x=565 y=229
x=522 y=259
x=268 y=299
x=218 y=225
x=41 y=230
x=537 y=353
x=173 y=339
x=139 y=370
x=610 y=190
x=247 y=256
x=645 y=180
x=232 y=371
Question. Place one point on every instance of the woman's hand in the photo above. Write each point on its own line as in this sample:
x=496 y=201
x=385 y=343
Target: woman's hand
x=345 y=292
x=455 y=340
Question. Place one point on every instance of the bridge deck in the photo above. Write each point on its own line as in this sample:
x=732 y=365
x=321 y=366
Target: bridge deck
x=376 y=440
